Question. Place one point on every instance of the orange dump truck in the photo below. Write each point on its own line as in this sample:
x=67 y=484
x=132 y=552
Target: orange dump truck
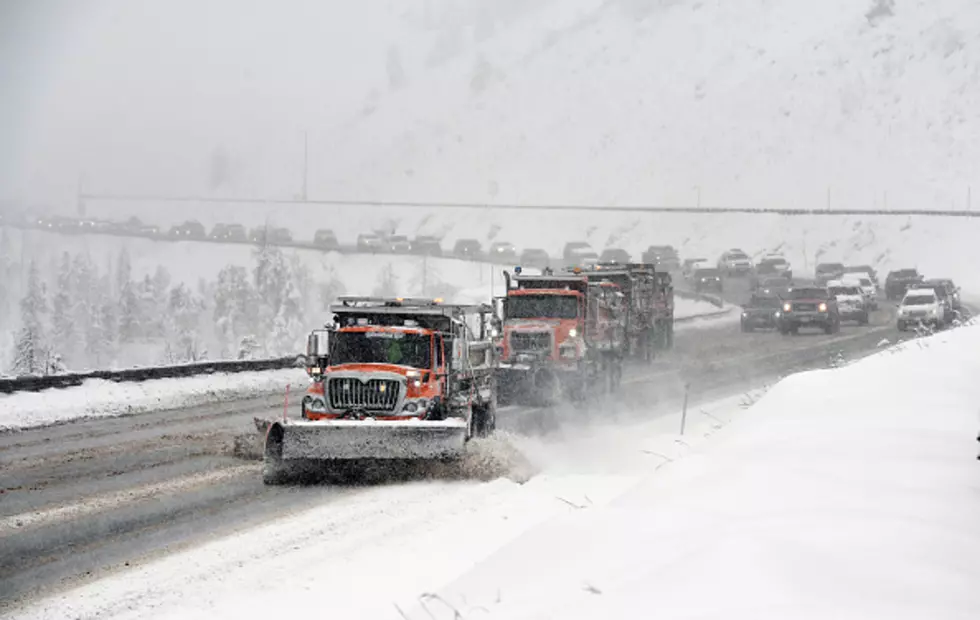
x=562 y=336
x=391 y=378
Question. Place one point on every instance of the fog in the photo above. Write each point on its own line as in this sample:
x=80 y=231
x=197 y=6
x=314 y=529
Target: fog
x=588 y=101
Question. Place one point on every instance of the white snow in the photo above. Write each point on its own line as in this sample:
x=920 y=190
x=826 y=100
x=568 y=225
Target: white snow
x=96 y=398
x=845 y=493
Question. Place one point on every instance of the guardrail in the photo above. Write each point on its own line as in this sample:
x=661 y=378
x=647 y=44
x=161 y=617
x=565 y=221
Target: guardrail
x=37 y=383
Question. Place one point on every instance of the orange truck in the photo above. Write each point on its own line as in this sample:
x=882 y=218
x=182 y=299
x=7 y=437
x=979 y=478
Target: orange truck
x=390 y=379
x=562 y=336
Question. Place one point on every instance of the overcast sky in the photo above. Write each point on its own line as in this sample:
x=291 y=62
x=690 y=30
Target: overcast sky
x=141 y=96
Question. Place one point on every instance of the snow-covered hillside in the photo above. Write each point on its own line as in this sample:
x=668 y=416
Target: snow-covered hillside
x=846 y=103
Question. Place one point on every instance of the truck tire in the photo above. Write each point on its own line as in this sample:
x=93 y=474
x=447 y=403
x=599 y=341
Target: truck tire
x=274 y=470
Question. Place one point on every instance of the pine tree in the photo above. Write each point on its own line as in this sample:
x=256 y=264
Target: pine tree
x=62 y=318
x=130 y=309
x=234 y=307
x=183 y=315
x=83 y=283
x=31 y=354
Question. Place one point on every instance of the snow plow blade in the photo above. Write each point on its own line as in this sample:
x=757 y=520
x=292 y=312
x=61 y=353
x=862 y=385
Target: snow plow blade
x=366 y=439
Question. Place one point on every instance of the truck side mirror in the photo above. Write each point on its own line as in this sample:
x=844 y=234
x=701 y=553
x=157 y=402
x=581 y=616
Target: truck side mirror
x=318 y=344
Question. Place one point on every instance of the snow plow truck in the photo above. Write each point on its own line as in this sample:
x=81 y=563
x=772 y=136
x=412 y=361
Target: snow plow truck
x=391 y=379
x=562 y=336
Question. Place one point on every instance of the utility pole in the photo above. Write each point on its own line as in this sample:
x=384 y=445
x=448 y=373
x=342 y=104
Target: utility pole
x=306 y=160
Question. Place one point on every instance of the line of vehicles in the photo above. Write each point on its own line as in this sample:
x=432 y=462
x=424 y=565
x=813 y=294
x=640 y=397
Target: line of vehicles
x=664 y=257
x=401 y=379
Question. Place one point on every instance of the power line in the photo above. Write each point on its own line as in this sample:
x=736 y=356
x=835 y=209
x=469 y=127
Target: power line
x=533 y=207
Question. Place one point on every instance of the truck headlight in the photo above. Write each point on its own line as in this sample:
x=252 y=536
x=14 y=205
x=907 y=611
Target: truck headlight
x=572 y=332
x=316 y=405
x=822 y=307
x=787 y=307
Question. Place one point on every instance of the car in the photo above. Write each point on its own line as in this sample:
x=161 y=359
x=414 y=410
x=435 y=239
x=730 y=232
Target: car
x=773 y=265
x=235 y=233
x=467 y=248
x=617 y=256
x=825 y=272
x=852 y=305
x=707 y=280
x=399 y=244
x=663 y=256
x=218 y=232
x=777 y=285
x=325 y=239
x=190 y=229
x=762 y=311
x=865 y=269
x=574 y=250
x=809 y=306
x=369 y=242
x=864 y=282
x=920 y=306
x=735 y=262
x=945 y=294
x=535 y=257
x=503 y=252
x=427 y=245
x=690 y=265
x=899 y=281
x=954 y=292
x=151 y=231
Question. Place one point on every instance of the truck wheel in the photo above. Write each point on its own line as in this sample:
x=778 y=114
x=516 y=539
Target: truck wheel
x=273 y=467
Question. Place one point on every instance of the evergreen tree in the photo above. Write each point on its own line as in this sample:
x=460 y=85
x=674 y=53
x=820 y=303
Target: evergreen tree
x=129 y=306
x=83 y=297
x=63 y=311
x=183 y=315
x=31 y=355
x=234 y=307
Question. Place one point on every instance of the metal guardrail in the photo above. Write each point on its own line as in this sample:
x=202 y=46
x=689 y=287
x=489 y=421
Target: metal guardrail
x=38 y=383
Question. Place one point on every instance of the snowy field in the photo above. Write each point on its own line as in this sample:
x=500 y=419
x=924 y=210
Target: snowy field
x=844 y=493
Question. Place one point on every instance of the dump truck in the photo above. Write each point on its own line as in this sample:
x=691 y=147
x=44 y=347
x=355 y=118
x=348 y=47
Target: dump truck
x=562 y=336
x=390 y=379
x=649 y=307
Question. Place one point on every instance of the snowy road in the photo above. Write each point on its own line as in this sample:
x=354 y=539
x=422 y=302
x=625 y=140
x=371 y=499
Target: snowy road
x=84 y=499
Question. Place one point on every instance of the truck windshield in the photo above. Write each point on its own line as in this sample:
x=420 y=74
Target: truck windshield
x=542 y=307
x=381 y=348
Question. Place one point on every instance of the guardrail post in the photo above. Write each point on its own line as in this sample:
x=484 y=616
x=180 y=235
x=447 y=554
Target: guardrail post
x=687 y=389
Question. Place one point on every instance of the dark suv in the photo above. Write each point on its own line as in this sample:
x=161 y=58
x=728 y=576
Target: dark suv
x=900 y=281
x=809 y=306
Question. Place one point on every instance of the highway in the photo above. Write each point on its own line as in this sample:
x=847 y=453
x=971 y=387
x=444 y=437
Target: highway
x=86 y=498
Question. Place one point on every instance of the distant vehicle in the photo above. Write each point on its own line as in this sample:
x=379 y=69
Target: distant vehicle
x=899 y=281
x=851 y=302
x=735 y=262
x=587 y=259
x=945 y=295
x=219 y=232
x=867 y=286
x=369 y=242
x=574 y=250
x=663 y=256
x=762 y=311
x=693 y=264
x=826 y=272
x=920 y=306
x=778 y=286
x=427 y=245
x=236 y=233
x=707 y=280
x=809 y=306
x=188 y=230
x=325 y=239
x=467 y=248
x=399 y=244
x=865 y=269
x=954 y=292
x=773 y=265
x=535 y=257
x=502 y=251
x=271 y=236
x=615 y=255
x=151 y=231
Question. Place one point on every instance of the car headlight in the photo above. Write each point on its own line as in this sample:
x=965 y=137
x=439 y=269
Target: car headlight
x=745 y=314
x=822 y=307
x=787 y=307
x=777 y=314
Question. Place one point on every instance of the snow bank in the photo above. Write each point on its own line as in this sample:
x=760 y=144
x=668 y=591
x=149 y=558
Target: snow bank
x=847 y=493
x=97 y=398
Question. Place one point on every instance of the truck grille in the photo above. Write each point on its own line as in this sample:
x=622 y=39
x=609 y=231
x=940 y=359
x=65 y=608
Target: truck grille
x=804 y=307
x=534 y=341
x=347 y=393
